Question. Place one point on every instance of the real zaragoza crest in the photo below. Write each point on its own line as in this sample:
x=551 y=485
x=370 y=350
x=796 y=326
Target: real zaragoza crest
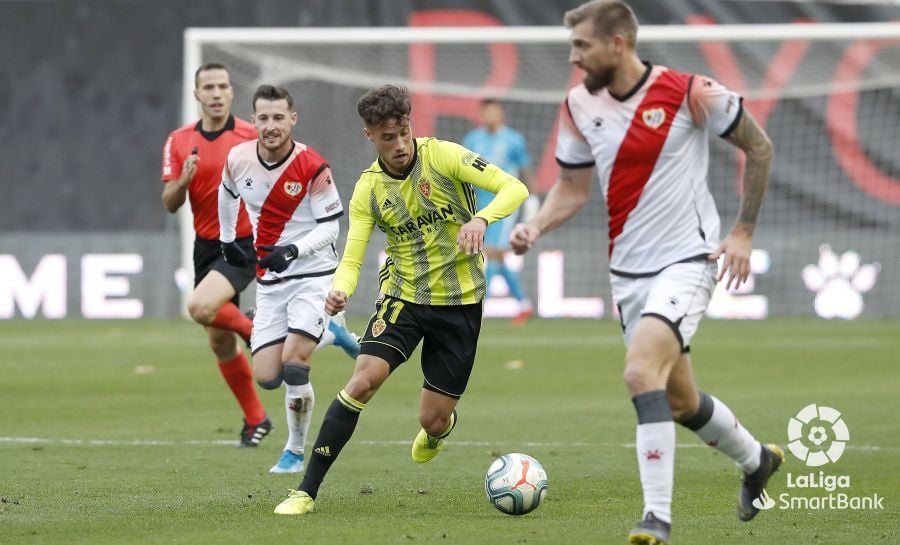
x=654 y=117
x=378 y=327
x=425 y=188
x=293 y=188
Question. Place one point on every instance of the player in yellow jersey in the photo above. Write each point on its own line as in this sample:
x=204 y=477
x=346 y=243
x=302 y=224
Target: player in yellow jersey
x=420 y=192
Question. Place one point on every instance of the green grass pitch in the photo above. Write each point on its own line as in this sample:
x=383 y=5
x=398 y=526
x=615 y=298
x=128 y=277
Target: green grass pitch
x=122 y=432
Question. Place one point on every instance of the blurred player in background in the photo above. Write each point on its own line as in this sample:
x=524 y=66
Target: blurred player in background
x=645 y=129
x=294 y=207
x=420 y=193
x=192 y=168
x=506 y=148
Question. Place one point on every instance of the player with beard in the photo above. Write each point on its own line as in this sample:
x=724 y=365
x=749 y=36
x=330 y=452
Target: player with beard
x=645 y=130
x=193 y=157
x=293 y=206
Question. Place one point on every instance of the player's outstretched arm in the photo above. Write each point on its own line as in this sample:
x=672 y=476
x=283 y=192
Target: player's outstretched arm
x=570 y=193
x=737 y=246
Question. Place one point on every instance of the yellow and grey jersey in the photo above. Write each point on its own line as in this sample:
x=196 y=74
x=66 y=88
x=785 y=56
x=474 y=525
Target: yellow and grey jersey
x=421 y=212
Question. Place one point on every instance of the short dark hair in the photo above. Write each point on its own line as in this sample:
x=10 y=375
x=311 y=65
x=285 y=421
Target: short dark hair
x=609 y=17
x=383 y=104
x=270 y=92
x=489 y=101
x=208 y=66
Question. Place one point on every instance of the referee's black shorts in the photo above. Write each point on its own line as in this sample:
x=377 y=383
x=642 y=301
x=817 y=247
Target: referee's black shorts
x=450 y=336
x=208 y=257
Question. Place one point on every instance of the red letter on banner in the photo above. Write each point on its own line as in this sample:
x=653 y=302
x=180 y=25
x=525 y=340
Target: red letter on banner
x=842 y=124
x=726 y=69
x=427 y=106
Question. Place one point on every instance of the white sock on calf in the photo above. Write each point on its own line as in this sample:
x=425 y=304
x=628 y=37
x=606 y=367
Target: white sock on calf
x=720 y=429
x=299 y=402
x=655 y=442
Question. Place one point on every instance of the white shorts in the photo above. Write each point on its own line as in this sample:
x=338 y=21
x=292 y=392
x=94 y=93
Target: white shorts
x=678 y=295
x=292 y=306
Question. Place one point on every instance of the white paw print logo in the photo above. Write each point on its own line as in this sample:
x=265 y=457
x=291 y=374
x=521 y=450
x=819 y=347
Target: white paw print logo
x=839 y=282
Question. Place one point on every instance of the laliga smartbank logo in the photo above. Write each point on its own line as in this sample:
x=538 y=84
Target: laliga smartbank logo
x=817 y=436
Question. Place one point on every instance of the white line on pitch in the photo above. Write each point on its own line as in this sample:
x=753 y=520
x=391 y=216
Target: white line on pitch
x=534 y=444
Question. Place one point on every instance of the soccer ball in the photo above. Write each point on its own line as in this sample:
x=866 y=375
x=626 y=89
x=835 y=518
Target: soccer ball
x=515 y=483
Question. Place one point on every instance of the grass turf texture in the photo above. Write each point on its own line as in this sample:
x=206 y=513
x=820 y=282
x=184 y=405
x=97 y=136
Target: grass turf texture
x=133 y=429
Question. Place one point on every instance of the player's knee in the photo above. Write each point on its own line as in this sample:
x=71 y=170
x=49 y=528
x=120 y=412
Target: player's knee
x=200 y=312
x=360 y=387
x=636 y=375
x=295 y=374
x=270 y=383
x=370 y=374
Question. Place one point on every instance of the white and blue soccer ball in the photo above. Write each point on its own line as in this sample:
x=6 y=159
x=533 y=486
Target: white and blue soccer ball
x=516 y=483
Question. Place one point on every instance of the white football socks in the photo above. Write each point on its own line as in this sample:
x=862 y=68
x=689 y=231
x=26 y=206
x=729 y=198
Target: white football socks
x=726 y=434
x=656 y=461
x=655 y=442
x=299 y=402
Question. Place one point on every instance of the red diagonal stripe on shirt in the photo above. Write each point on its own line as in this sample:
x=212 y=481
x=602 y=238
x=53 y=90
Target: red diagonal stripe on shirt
x=279 y=206
x=640 y=149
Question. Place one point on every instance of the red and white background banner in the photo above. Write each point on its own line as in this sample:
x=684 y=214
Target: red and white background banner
x=83 y=222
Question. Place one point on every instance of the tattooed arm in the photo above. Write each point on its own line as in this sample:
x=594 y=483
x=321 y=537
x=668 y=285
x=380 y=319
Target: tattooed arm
x=752 y=139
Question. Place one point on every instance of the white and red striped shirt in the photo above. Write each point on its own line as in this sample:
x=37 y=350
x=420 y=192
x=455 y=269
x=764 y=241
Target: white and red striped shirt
x=285 y=201
x=651 y=152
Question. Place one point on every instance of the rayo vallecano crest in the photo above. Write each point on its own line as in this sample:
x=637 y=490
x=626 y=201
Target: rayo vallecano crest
x=425 y=188
x=654 y=117
x=293 y=188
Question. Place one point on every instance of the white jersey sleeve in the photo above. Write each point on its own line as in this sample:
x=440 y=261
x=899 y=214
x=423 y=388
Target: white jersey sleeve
x=325 y=201
x=713 y=106
x=326 y=207
x=572 y=148
x=323 y=234
x=229 y=205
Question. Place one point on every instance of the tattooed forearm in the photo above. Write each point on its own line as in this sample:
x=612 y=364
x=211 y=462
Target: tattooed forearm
x=750 y=137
